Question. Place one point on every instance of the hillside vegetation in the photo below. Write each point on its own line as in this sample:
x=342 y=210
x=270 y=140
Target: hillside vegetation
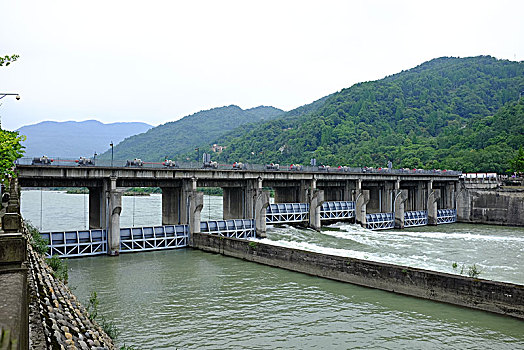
x=448 y=113
x=181 y=137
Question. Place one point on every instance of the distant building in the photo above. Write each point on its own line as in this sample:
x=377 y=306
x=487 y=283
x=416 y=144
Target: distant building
x=218 y=149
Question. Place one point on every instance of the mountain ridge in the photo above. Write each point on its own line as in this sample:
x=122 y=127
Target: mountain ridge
x=73 y=138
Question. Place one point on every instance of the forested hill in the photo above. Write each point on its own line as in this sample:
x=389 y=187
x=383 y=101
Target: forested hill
x=448 y=113
x=182 y=136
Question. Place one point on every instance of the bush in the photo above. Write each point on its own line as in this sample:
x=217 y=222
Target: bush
x=37 y=242
x=59 y=268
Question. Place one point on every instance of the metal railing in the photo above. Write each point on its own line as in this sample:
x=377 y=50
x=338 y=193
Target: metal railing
x=283 y=213
x=337 y=210
x=153 y=238
x=60 y=161
x=415 y=218
x=380 y=221
x=237 y=228
x=67 y=244
x=446 y=216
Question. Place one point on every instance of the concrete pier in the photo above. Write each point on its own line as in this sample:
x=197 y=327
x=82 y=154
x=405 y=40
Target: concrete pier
x=115 y=209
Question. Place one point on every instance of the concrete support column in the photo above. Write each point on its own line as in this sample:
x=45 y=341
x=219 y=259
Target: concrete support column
x=348 y=191
x=433 y=197
x=420 y=197
x=400 y=198
x=172 y=205
x=374 y=204
x=115 y=209
x=196 y=203
x=315 y=204
x=450 y=195
x=261 y=204
x=387 y=197
x=234 y=202
x=361 y=200
x=97 y=207
x=286 y=194
x=303 y=191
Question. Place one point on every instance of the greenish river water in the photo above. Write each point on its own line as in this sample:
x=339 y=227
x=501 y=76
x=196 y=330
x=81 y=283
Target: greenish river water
x=188 y=299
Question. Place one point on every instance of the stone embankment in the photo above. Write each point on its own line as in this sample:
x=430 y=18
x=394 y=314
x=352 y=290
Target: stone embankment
x=497 y=297
x=57 y=319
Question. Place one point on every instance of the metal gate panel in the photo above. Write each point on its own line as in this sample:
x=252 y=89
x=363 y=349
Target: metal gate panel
x=380 y=221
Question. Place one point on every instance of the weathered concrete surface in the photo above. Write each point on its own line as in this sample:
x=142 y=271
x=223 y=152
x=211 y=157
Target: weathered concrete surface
x=13 y=289
x=491 y=206
x=497 y=297
x=13 y=305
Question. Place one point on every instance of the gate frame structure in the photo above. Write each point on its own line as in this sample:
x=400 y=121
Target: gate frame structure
x=70 y=244
x=415 y=218
x=337 y=210
x=446 y=216
x=283 y=213
x=380 y=221
x=234 y=228
x=138 y=239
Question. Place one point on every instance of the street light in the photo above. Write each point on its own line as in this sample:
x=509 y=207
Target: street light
x=111 y=144
x=198 y=153
x=2 y=95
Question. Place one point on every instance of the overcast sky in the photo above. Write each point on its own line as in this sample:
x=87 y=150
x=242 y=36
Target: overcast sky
x=157 y=61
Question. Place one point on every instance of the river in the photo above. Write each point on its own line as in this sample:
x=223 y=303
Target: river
x=188 y=299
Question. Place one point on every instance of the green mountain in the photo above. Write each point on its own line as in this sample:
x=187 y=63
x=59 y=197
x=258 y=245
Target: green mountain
x=181 y=137
x=448 y=113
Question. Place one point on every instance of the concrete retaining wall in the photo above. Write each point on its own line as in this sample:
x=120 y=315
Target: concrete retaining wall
x=497 y=297
x=491 y=206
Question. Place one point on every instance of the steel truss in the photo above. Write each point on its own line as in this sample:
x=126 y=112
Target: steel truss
x=380 y=221
x=238 y=228
x=283 y=213
x=415 y=218
x=446 y=216
x=337 y=210
x=68 y=244
x=153 y=238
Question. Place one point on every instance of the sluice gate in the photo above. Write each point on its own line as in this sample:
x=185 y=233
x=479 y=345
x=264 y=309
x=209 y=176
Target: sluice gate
x=153 y=238
x=380 y=221
x=446 y=216
x=240 y=228
x=415 y=218
x=71 y=244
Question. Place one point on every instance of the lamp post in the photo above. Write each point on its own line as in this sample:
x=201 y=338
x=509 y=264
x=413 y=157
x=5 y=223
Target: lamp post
x=111 y=144
x=2 y=95
x=198 y=153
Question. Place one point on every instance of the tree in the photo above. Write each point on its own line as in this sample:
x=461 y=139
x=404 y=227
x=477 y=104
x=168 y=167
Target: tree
x=10 y=150
x=517 y=163
x=6 y=60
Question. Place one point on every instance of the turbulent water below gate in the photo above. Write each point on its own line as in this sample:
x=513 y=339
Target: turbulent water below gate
x=190 y=299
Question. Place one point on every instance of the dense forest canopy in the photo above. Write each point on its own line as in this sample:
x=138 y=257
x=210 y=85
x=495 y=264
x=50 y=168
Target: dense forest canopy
x=180 y=137
x=448 y=113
